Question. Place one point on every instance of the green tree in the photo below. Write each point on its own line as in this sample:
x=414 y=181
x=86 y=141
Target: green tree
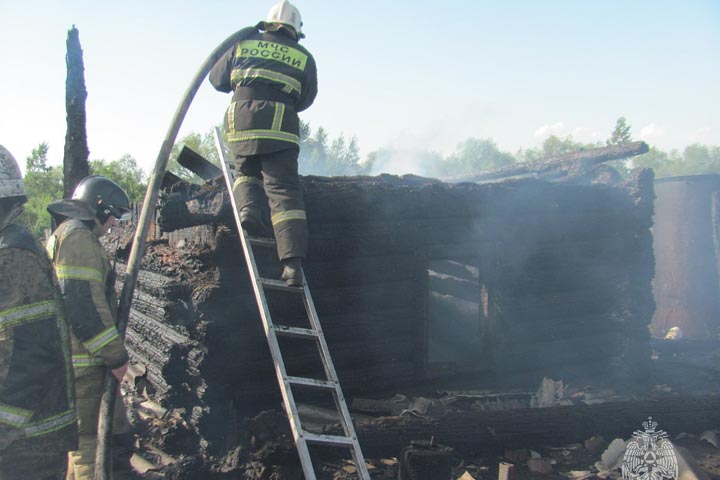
x=695 y=159
x=43 y=184
x=39 y=176
x=37 y=161
x=335 y=162
x=620 y=134
x=313 y=150
x=700 y=159
x=475 y=155
x=125 y=172
x=342 y=157
x=661 y=162
x=319 y=155
x=553 y=147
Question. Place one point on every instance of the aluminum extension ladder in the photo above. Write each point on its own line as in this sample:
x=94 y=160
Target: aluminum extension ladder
x=272 y=331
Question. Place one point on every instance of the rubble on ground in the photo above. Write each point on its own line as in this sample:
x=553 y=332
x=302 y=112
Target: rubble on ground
x=558 y=275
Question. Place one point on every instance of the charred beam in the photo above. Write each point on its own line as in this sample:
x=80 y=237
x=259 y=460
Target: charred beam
x=570 y=163
x=483 y=432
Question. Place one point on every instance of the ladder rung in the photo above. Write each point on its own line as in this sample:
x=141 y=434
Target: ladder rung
x=331 y=440
x=312 y=383
x=279 y=285
x=262 y=241
x=295 y=332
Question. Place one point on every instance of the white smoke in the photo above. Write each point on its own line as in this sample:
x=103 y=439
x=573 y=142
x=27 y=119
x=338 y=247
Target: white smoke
x=402 y=162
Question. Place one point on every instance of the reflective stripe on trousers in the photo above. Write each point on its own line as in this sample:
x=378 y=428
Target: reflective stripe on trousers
x=282 y=187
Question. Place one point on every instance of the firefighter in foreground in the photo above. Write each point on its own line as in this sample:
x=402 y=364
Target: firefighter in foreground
x=87 y=284
x=38 y=423
x=273 y=78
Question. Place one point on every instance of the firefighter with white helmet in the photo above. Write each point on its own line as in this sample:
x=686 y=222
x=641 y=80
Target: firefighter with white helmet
x=38 y=422
x=285 y=13
x=87 y=284
x=272 y=78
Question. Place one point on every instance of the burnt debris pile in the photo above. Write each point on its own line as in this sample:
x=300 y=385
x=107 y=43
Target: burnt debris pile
x=418 y=284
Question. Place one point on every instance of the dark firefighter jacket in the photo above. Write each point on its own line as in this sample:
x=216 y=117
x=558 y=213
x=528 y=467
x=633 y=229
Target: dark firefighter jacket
x=87 y=285
x=37 y=397
x=273 y=78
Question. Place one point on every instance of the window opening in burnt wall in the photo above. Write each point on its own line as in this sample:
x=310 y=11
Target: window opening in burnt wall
x=460 y=321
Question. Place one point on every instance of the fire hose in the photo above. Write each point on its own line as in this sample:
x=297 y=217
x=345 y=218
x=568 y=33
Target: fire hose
x=103 y=460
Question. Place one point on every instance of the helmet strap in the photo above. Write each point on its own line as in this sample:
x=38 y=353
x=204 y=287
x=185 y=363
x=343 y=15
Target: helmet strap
x=98 y=228
x=103 y=214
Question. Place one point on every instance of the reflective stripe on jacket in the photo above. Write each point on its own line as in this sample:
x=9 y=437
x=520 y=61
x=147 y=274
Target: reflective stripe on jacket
x=273 y=78
x=87 y=286
x=37 y=395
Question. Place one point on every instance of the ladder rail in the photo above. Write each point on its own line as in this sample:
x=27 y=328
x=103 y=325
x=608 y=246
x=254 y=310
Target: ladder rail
x=300 y=436
x=280 y=370
x=331 y=374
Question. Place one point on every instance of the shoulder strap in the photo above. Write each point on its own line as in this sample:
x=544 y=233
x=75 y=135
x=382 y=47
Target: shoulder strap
x=15 y=236
x=60 y=233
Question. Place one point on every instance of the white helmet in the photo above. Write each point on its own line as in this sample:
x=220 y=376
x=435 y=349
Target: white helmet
x=11 y=182
x=286 y=13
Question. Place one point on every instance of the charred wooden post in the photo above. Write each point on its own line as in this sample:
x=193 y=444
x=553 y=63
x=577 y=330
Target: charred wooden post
x=75 y=161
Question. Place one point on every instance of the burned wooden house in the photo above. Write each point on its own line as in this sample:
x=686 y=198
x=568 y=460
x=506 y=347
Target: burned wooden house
x=420 y=285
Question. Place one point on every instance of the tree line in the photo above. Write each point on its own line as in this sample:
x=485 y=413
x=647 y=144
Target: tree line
x=320 y=155
x=44 y=184
x=339 y=156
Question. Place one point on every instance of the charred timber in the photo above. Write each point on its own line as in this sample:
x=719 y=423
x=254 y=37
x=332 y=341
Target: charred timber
x=482 y=432
x=371 y=238
x=75 y=160
x=575 y=164
x=562 y=266
x=384 y=207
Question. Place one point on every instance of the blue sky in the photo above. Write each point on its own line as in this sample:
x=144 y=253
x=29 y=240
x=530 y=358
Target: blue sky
x=413 y=75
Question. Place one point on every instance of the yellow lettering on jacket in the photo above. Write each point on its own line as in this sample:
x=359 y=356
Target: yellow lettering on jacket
x=273 y=51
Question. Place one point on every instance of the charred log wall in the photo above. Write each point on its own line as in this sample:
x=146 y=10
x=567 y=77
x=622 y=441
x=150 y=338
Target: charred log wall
x=563 y=272
x=572 y=279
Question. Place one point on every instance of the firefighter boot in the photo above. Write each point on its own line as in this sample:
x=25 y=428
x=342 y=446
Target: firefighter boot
x=253 y=223
x=292 y=271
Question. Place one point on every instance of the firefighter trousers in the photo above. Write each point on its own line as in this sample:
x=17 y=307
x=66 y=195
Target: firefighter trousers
x=81 y=462
x=272 y=178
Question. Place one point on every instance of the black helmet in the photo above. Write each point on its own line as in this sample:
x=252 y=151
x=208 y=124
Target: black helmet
x=106 y=196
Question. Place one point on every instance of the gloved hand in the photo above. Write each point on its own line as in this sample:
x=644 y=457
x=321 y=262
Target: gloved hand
x=119 y=372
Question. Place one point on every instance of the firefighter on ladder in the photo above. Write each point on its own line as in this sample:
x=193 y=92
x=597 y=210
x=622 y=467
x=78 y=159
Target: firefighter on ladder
x=273 y=78
x=38 y=422
x=87 y=284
